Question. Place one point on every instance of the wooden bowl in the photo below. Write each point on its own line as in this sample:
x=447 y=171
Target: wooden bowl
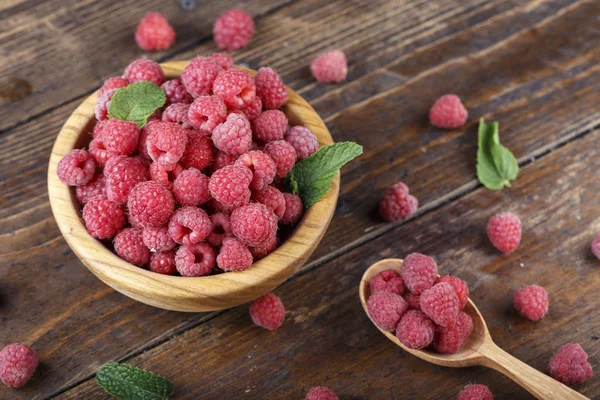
x=206 y=293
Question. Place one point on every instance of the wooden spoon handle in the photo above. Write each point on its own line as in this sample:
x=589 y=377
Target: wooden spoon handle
x=538 y=384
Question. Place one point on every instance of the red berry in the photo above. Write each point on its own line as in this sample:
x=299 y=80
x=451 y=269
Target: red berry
x=206 y=112
x=223 y=59
x=504 y=231
x=440 y=303
x=233 y=29
x=449 y=340
x=262 y=166
x=270 y=88
x=596 y=246
x=165 y=174
x=120 y=137
x=233 y=136
x=94 y=188
x=189 y=225
x=130 y=247
x=272 y=198
x=158 y=239
x=387 y=281
x=235 y=87
x=385 y=309
x=330 y=66
x=98 y=153
x=150 y=204
x=294 y=209
x=191 y=188
x=253 y=224
x=196 y=259
x=103 y=218
x=166 y=142
x=264 y=250
x=163 y=262
x=144 y=70
x=321 y=393
x=303 y=140
x=17 y=364
x=475 y=392
x=220 y=228
x=234 y=256
x=283 y=154
x=177 y=113
x=531 y=302
x=413 y=300
x=460 y=287
x=154 y=32
x=570 y=365
x=268 y=311
x=397 y=204
x=116 y=82
x=448 y=112
x=76 y=168
x=271 y=125
x=199 y=152
x=252 y=110
x=419 y=272
x=415 y=330
x=230 y=185
x=175 y=92
x=198 y=76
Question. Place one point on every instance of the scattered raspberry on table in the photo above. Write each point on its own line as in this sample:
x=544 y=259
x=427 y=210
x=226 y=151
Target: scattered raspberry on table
x=397 y=203
x=233 y=29
x=154 y=32
x=504 y=231
x=448 y=112
x=330 y=66
x=531 y=302
x=17 y=364
x=268 y=311
x=475 y=392
x=570 y=365
x=321 y=393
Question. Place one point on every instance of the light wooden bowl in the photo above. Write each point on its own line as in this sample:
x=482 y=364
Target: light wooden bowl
x=207 y=293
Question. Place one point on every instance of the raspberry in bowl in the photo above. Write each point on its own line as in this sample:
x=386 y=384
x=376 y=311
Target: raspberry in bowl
x=200 y=246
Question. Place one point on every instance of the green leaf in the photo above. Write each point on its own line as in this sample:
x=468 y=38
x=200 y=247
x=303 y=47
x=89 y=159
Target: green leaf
x=136 y=102
x=496 y=165
x=126 y=382
x=312 y=177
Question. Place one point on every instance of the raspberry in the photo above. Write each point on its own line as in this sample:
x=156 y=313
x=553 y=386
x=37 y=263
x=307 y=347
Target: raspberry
x=103 y=218
x=122 y=173
x=175 y=92
x=268 y=311
x=262 y=166
x=283 y=154
x=450 y=339
x=264 y=250
x=196 y=259
x=17 y=364
x=222 y=160
x=303 y=140
x=460 y=287
x=415 y=330
x=76 y=168
x=177 y=113
x=233 y=29
x=130 y=247
x=98 y=153
x=165 y=174
x=253 y=110
x=413 y=300
x=223 y=59
x=143 y=139
x=294 y=209
x=531 y=302
x=102 y=104
x=163 y=262
x=440 y=303
x=272 y=198
x=570 y=365
x=235 y=87
x=320 y=393
x=206 y=112
x=448 y=112
x=154 y=32
x=475 y=392
x=199 y=151
x=191 y=188
x=166 y=142
x=270 y=88
x=158 y=239
x=144 y=70
x=94 y=188
x=233 y=136
x=189 y=225
x=198 y=76
x=419 y=272
x=220 y=229
x=253 y=224
x=504 y=231
x=596 y=246
x=150 y=204
x=330 y=66
x=120 y=137
x=271 y=125
x=397 y=204
x=387 y=281
x=116 y=82
x=385 y=309
x=230 y=185
x=98 y=128
x=234 y=256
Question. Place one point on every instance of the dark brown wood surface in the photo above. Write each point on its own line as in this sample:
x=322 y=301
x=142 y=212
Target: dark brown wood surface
x=533 y=66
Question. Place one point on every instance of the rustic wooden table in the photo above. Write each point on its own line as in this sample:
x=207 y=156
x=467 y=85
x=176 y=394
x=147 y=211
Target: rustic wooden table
x=533 y=66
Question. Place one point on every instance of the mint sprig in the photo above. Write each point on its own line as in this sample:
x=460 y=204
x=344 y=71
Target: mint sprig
x=312 y=177
x=126 y=382
x=136 y=102
x=496 y=165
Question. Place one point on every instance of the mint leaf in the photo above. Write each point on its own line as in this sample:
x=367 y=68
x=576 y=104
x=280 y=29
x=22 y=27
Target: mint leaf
x=136 y=102
x=496 y=165
x=312 y=177
x=126 y=382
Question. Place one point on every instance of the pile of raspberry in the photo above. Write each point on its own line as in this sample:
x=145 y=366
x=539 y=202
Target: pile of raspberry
x=199 y=189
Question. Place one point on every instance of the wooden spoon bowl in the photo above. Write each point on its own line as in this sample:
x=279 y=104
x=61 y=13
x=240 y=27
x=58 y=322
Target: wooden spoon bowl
x=478 y=349
x=206 y=293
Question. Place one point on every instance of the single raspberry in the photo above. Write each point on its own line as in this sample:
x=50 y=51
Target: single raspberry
x=504 y=231
x=223 y=59
x=264 y=250
x=253 y=224
x=154 y=32
x=570 y=365
x=98 y=152
x=596 y=246
x=320 y=393
x=271 y=125
x=450 y=339
x=234 y=256
x=199 y=152
x=144 y=70
x=475 y=392
x=283 y=154
x=303 y=140
x=268 y=311
x=120 y=137
x=252 y=110
x=222 y=160
x=233 y=29
x=441 y=304
x=166 y=142
x=397 y=204
x=158 y=239
x=235 y=87
x=122 y=173
x=220 y=228
x=94 y=188
x=460 y=287
x=102 y=104
x=385 y=309
x=198 y=76
x=17 y=364
x=163 y=262
x=76 y=168
x=197 y=259
x=330 y=66
x=294 y=209
x=206 y=112
x=191 y=188
x=150 y=204
x=103 y=218
x=165 y=174
x=189 y=225
x=262 y=166
x=531 y=302
x=230 y=186
x=143 y=139
x=448 y=112
x=177 y=113
x=176 y=92
x=116 y=82
x=415 y=330
x=233 y=136
x=272 y=198
x=130 y=247
x=387 y=281
x=270 y=88
x=419 y=272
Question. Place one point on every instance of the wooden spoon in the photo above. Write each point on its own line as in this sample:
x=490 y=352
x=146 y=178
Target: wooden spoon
x=479 y=349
